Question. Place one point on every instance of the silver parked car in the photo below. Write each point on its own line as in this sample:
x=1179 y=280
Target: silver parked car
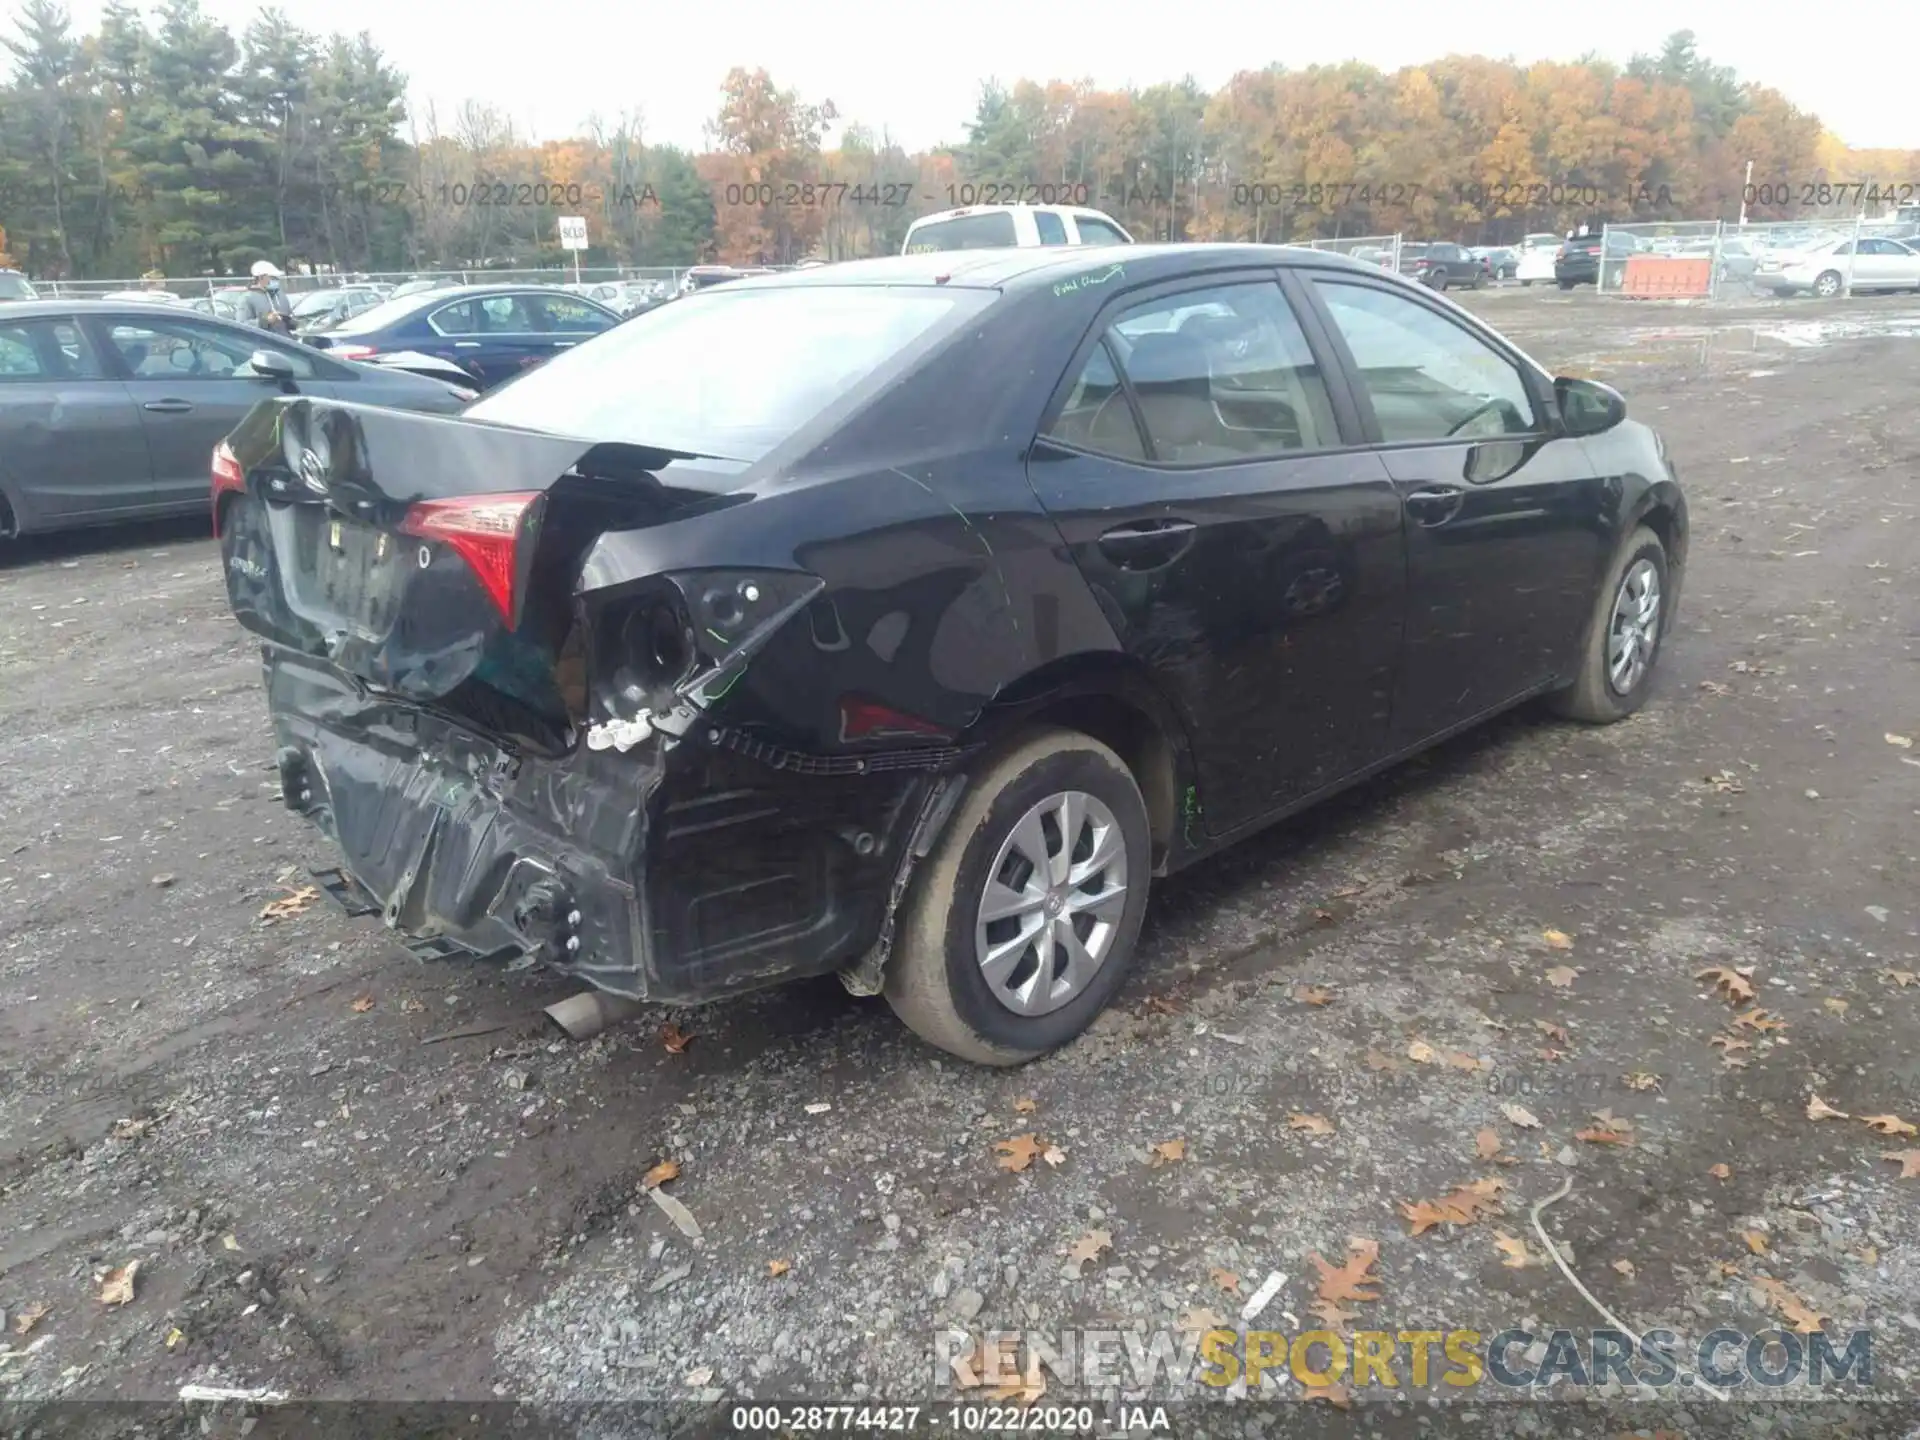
x=110 y=411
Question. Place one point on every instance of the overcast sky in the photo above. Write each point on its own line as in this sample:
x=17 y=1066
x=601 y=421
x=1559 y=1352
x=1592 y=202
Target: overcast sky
x=917 y=70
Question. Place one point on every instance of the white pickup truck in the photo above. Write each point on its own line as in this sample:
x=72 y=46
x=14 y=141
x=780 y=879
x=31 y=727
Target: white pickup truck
x=992 y=227
x=1536 y=258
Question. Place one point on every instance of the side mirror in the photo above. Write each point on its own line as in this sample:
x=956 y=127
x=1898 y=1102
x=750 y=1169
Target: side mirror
x=271 y=365
x=1587 y=407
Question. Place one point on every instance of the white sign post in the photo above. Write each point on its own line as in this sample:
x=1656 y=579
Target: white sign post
x=573 y=236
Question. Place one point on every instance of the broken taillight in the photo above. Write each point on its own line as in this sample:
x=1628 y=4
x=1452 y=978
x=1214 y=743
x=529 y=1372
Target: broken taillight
x=866 y=720
x=483 y=530
x=228 y=479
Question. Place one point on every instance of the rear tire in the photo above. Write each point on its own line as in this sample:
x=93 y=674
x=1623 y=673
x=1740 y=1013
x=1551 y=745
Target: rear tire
x=1828 y=284
x=937 y=981
x=1598 y=697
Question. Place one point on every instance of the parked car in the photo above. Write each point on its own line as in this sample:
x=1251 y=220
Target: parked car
x=613 y=294
x=137 y=297
x=493 y=332
x=108 y=410
x=1737 y=260
x=979 y=227
x=421 y=284
x=1834 y=266
x=1440 y=263
x=227 y=303
x=1578 y=259
x=327 y=308
x=1536 y=252
x=705 y=277
x=905 y=618
x=15 y=286
x=1502 y=262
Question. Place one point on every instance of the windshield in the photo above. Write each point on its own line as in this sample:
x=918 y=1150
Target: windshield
x=317 y=303
x=987 y=230
x=728 y=373
x=15 y=287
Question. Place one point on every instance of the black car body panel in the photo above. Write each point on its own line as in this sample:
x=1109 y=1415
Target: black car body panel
x=574 y=769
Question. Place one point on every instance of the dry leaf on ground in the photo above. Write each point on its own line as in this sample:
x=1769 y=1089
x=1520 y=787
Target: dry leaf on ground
x=1561 y=976
x=1225 y=1279
x=1486 y=1144
x=1890 y=1125
x=674 y=1039
x=1089 y=1246
x=363 y=1004
x=1818 y=1109
x=1607 y=1129
x=1312 y=1124
x=777 y=1268
x=1907 y=1160
x=1728 y=981
x=1557 y=939
x=1641 y=1080
x=1521 y=1116
x=1201 y=1321
x=1019 y=1152
x=1025 y=1105
x=1464 y=1206
x=1518 y=1257
x=1758 y=1019
x=1053 y=1154
x=29 y=1316
x=294 y=902
x=1720 y=1172
x=1335 y=1395
x=1902 y=978
x=411 y=1006
x=131 y=1129
x=1377 y=1061
x=1460 y=1060
x=1623 y=1267
x=1552 y=1031
x=1313 y=995
x=1756 y=1242
x=1349 y=1281
x=1795 y=1311
x=1835 y=1005
x=1420 y=1051
x=659 y=1175
x=1168 y=1152
x=117 y=1287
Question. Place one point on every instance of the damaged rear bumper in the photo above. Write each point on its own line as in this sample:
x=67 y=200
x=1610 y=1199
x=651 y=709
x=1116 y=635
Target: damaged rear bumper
x=677 y=871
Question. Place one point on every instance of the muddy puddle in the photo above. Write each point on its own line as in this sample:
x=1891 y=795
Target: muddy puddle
x=1758 y=347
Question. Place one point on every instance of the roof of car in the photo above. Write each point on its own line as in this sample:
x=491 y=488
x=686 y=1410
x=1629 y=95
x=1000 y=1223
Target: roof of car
x=1012 y=268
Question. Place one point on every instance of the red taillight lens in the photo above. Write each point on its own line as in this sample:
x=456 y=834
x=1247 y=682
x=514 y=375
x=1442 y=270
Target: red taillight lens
x=484 y=531
x=228 y=479
x=864 y=720
x=352 y=352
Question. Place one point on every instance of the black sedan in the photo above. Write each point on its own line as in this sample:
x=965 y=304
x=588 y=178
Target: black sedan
x=906 y=618
x=492 y=332
x=108 y=411
x=1439 y=264
x=1579 y=259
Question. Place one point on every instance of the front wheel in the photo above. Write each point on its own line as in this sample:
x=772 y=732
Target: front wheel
x=1021 y=924
x=1828 y=284
x=1624 y=635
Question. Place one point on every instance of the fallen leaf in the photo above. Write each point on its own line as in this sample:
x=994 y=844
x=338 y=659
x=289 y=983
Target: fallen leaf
x=1725 y=781
x=1335 y=1395
x=1524 y=1118
x=674 y=1038
x=1025 y=1105
x=1351 y=1280
x=1818 y=1109
x=1714 y=687
x=1905 y=742
x=1486 y=1144
x=1019 y=1152
x=1547 y=1052
x=697 y=1378
x=1720 y=1172
x=659 y=1175
x=1867 y=1255
x=1420 y=1051
x=1552 y=1031
x=1312 y=1124
x=1054 y=1155
x=1377 y=1061
x=1561 y=976
x=362 y=1005
x=1518 y=1257
x=1726 y=1269
x=1606 y=1130
x=1624 y=1267
x=1168 y=1152
x=1756 y=1242
x=1758 y=1019
x=1803 y=1317
x=411 y=1006
x=1199 y=1322
x=175 y=1336
x=1641 y=1080
x=1225 y=1279
x=117 y=1287
x=294 y=902
x=1902 y=978
x=1907 y=1160
x=28 y=1317
x=130 y=1129
x=777 y=1268
x=1729 y=982
x=1313 y=995
x=1463 y=1207
x=1890 y=1125
x=1089 y=1246
x=1334 y=1317
x=1557 y=939
x=1460 y=1060
x=1731 y=1042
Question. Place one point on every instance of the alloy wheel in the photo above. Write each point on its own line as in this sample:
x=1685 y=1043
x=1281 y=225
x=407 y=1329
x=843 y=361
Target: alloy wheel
x=1054 y=899
x=1634 y=628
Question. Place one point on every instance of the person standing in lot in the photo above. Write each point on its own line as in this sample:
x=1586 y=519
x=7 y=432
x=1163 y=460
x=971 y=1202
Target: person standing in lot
x=265 y=304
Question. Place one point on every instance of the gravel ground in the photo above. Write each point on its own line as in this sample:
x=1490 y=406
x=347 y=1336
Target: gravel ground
x=345 y=1174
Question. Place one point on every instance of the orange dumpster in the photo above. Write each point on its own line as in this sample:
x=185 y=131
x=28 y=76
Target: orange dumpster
x=1664 y=276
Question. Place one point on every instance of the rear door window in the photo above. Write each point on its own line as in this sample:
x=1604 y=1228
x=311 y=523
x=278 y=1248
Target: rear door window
x=567 y=315
x=46 y=350
x=986 y=230
x=1097 y=232
x=1053 y=230
x=186 y=350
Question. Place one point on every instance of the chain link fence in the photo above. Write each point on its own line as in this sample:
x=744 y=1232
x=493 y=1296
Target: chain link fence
x=1717 y=260
x=1381 y=250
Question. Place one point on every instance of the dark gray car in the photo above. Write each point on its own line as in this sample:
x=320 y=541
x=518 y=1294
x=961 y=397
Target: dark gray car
x=110 y=412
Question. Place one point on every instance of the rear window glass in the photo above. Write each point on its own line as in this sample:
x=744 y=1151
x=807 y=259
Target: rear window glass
x=986 y=231
x=728 y=373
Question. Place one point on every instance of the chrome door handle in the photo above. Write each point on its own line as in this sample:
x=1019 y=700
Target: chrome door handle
x=168 y=407
x=466 y=344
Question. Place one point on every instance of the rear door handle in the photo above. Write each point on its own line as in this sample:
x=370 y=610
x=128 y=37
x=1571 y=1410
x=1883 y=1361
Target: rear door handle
x=466 y=344
x=1435 y=505
x=1147 y=545
x=169 y=407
